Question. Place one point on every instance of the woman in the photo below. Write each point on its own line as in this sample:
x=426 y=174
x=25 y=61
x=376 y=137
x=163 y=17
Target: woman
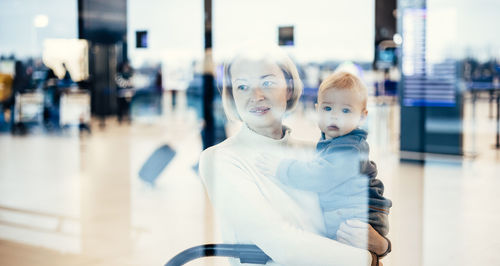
x=258 y=89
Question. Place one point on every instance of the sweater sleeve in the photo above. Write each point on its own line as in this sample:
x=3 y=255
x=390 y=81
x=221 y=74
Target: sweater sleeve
x=238 y=200
x=323 y=173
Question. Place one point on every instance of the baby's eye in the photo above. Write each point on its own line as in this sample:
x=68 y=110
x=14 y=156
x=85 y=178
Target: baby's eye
x=242 y=87
x=346 y=110
x=327 y=108
x=267 y=84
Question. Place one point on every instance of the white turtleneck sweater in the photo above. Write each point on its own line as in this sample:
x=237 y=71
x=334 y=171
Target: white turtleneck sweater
x=254 y=209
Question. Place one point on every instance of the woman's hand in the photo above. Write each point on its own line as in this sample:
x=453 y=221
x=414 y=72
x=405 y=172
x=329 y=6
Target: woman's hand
x=362 y=235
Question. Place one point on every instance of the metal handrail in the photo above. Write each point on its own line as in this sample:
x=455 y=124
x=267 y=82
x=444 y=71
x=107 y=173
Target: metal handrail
x=246 y=253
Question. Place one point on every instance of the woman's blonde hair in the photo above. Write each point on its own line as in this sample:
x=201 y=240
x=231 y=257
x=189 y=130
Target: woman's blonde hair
x=272 y=54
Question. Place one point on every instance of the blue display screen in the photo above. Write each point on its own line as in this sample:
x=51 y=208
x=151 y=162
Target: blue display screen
x=424 y=83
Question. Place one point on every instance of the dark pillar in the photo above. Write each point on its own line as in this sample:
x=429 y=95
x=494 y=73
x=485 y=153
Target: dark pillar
x=104 y=25
x=385 y=28
x=208 y=133
x=105 y=233
x=497 y=144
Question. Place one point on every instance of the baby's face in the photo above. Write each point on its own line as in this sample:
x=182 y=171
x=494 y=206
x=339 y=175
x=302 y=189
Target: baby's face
x=339 y=112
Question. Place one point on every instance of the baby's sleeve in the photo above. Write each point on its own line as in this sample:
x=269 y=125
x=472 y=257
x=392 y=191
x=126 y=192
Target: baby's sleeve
x=322 y=173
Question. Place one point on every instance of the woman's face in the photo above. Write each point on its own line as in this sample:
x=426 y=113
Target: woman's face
x=260 y=93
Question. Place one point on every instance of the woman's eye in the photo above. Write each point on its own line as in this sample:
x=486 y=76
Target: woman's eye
x=267 y=84
x=242 y=87
x=346 y=110
x=327 y=108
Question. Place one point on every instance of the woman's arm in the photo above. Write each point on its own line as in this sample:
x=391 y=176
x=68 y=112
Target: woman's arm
x=238 y=200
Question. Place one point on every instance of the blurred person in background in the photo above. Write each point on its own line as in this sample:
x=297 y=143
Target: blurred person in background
x=124 y=84
x=51 y=106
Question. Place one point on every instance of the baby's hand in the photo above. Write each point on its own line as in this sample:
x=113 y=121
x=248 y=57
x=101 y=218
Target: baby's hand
x=267 y=164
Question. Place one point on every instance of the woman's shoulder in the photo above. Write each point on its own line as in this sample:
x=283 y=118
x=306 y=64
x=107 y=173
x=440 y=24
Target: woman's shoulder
x=224 y=160
x=225 y=146
x=220 y=154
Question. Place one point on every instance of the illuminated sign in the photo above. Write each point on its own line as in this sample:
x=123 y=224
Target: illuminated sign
x=141 y=39
x=424 y=84
x=285 y=36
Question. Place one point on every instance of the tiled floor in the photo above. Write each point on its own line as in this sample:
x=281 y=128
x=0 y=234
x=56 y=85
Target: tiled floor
x=68 y=200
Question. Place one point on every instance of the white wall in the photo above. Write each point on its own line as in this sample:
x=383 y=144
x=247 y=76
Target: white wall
x=460 y=28
x=324 y=29
x=175 y=28
x=19 y=36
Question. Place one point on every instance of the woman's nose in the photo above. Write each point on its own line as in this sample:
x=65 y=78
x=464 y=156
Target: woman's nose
x=257 y=94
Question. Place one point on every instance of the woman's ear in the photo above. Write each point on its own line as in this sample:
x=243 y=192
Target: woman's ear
x=289 y=94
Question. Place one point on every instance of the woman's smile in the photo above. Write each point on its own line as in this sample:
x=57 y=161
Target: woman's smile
x=260 y=110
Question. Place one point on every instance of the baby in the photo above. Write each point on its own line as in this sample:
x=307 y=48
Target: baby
x=342 y=174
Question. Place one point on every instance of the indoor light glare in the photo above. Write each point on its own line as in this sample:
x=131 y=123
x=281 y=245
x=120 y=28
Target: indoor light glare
x=398 y=40
x=41 y=21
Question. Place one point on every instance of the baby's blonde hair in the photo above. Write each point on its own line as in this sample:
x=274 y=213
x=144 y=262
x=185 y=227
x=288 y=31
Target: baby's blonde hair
x=344 y=81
